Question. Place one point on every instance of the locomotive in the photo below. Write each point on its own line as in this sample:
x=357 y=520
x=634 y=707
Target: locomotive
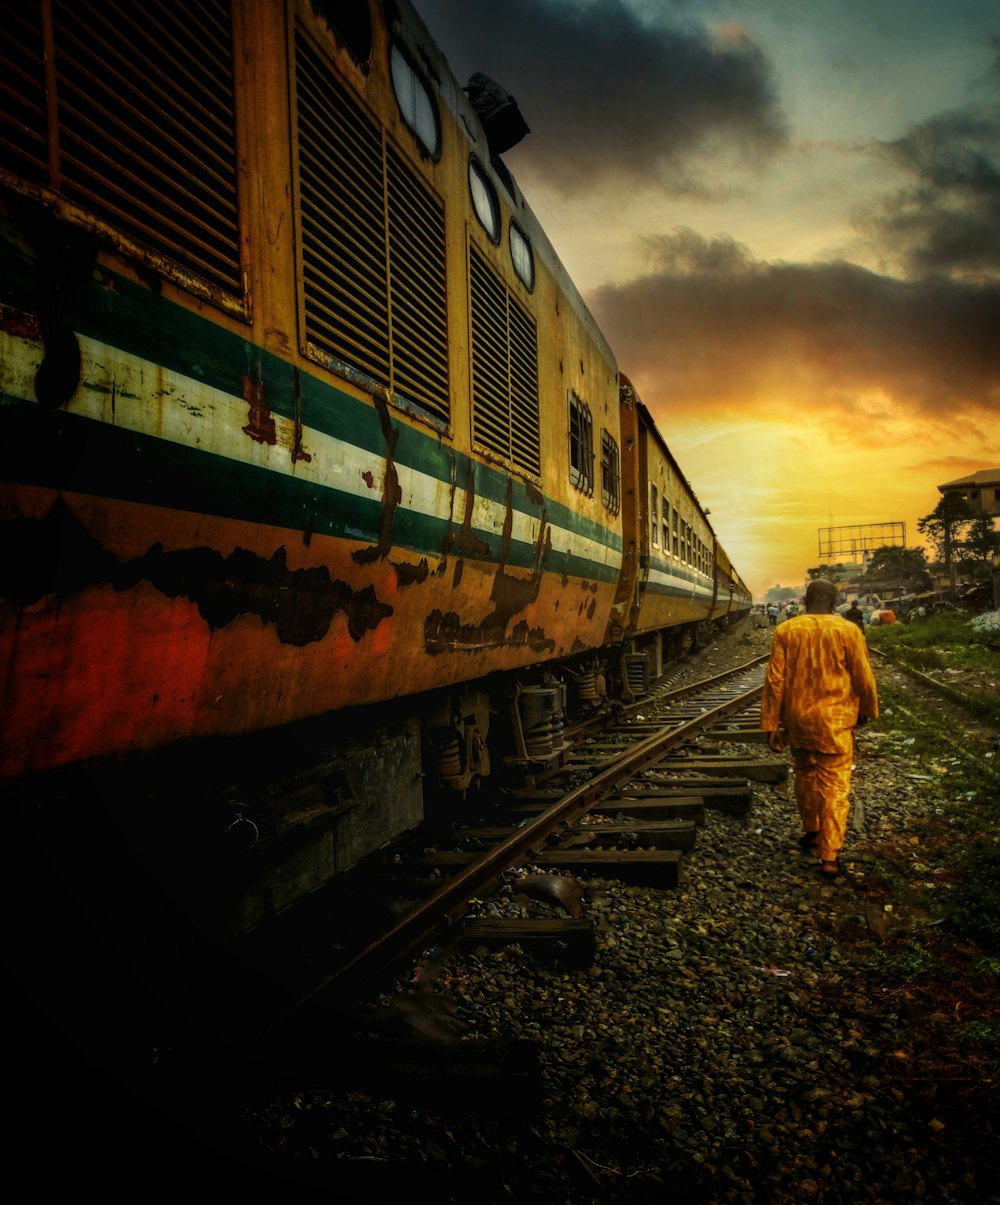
x=321 y=489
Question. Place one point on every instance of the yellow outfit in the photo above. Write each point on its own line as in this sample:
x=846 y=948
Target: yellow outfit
x=819 y=681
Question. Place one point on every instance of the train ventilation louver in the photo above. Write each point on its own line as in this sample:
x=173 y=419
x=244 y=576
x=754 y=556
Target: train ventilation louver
x=23 y=120
x=373 y=246
x=144 y=139
x=637 y=673
x=504 y=370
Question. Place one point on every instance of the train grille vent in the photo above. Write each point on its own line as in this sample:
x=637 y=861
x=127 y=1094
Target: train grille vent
x=504 y=370
x=144 y=140
x=373 y=248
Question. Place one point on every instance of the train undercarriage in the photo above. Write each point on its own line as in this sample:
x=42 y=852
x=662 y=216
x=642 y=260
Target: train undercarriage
x=231 y=832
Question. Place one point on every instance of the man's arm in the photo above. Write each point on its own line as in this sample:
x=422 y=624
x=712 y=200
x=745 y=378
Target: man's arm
x=863 y=679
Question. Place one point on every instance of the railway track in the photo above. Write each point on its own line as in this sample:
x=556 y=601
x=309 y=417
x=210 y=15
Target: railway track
x=623 y=802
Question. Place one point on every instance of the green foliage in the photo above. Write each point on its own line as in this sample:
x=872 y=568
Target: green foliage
x=780 y=594
x=981 y=543
x=950 y=633
x=976 y=898
x=901 y=564
x=967 y=801
x=945 y=525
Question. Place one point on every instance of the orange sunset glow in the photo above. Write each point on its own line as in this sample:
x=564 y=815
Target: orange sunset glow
x=784 y=219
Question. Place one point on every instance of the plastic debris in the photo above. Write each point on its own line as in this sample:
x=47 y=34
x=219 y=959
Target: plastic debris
x=772 y=971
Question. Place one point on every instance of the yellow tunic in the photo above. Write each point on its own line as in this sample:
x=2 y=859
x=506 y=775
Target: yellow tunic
x=819 y=680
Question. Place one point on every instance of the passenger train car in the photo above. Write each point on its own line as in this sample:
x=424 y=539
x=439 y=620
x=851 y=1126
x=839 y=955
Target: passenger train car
x=321 y=488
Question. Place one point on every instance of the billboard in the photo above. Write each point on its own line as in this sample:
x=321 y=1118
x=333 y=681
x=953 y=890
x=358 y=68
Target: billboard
x=860 y=539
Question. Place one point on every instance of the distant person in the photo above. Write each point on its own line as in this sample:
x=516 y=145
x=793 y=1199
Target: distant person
x=855 y=614
x=792 y=610
x=772 y=614
x=819 y=687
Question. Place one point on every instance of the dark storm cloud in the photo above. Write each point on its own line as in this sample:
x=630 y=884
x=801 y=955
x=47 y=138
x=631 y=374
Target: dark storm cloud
x=711 y=325
x=605 y=94
x=949 y=219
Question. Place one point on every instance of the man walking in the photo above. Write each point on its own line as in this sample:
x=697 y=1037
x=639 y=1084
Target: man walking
x=819 y=687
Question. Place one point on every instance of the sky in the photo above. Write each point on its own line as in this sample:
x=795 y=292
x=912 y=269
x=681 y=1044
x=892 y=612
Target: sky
x=785 y=217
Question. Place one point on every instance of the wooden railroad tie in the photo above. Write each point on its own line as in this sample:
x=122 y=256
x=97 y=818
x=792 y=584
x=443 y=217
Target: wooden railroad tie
x=640 y=867
x=554 y=941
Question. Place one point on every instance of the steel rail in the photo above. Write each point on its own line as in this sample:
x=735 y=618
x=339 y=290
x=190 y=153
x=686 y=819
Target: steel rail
x=469 y=881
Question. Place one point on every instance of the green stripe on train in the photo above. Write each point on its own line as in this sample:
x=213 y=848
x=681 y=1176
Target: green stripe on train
x=89 y=457
x=135 y=320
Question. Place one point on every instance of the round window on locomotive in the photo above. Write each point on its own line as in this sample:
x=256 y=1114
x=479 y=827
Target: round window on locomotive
x=520 y=253
x=484 y=200
x=415 y=102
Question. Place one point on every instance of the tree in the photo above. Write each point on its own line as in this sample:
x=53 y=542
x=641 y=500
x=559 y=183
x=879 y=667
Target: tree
x=982 y=541
x=945 y=525
x=780 y=594
x=906 y=565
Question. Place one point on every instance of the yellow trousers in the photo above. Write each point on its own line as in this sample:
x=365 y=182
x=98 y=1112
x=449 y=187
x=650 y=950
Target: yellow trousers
x=822 y=792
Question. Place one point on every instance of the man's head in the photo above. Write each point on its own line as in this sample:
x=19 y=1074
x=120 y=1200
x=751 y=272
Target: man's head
x=821 y=596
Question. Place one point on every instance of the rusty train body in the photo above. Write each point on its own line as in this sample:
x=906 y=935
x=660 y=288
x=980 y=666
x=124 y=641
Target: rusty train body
x=314 y=463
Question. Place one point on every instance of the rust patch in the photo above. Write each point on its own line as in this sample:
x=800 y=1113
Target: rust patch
x=464 y=541
x=57 y=556
x=19 y=324
x=298 y=452
x=64 y=261
x=456 y=574
x=368 y=477
x=446 y=632
x=406 y=574
x=260 y=421
x=392 y=493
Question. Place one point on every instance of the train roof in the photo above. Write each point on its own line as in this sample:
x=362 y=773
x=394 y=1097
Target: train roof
x=426 y=51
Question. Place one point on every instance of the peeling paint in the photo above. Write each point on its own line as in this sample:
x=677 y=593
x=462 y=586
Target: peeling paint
x=446 y=632
x=19 y=324
x=392 y=493
x=298 y=452
x=57 y=557
x=64 y=260
x=464 y=541
x=260 y=422
x=406 y=574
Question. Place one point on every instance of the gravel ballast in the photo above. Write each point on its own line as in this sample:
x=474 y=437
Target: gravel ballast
x=740 y=1038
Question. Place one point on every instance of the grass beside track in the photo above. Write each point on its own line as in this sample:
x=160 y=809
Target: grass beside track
x=960 y=757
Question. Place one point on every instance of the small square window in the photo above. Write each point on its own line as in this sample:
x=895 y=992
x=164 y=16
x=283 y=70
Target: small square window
x=611 y=474
x=581 y=445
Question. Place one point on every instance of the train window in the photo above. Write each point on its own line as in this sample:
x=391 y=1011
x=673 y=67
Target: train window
x=676 y=522
x=484 y=200
x=654 y=517
x=353 y=23
x=581 y=445
x=415 y=102
x=611 y=490
x=520 y=254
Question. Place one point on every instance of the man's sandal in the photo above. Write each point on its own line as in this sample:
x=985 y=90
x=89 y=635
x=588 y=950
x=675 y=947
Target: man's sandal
x=829 y=871
x=808 y=841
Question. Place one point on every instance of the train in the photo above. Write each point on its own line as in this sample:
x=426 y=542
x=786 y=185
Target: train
x=322 y=494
